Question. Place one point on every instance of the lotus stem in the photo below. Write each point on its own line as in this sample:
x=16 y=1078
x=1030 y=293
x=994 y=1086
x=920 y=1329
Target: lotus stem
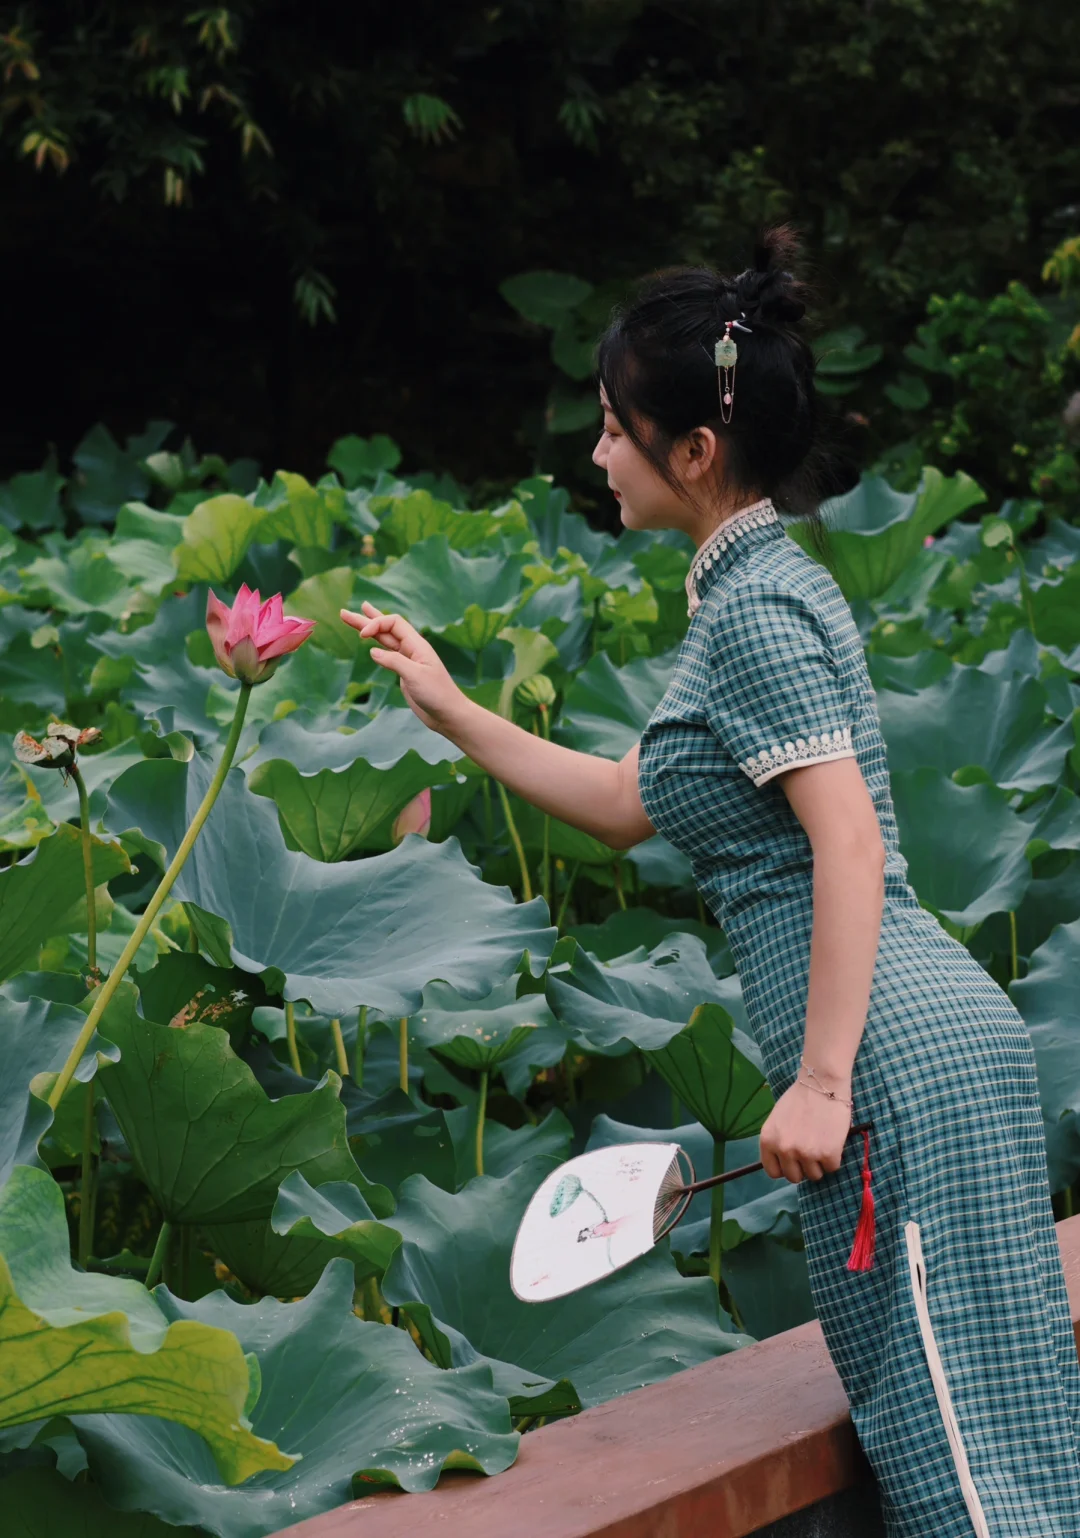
x=358 y=1050
x=618 y=883
x=566 y=895
x=716 y=1214
x=515 y=839
x=403 y=1053
x=86 y=1192
x=545 y=860
x=488 y=820
x=153 y=907
x=339 y=1048
x=157 y=1259
x=1013 y=946
x=290 y=1036
x=88 y=869
x=481 y=1109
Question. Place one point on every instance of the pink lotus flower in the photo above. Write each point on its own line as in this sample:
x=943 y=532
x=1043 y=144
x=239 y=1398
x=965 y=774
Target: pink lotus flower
x=414 y=818
x=250 y=639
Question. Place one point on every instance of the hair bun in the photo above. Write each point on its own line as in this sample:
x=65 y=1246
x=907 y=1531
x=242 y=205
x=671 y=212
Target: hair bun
x=769 y=290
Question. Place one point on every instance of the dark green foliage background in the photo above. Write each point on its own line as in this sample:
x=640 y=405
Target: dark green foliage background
x=924 y=149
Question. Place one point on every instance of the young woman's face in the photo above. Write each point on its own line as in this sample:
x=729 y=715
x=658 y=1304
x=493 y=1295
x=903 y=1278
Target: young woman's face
x=646 y=502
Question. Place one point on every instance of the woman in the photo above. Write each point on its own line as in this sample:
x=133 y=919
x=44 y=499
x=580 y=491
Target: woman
x=764 y=762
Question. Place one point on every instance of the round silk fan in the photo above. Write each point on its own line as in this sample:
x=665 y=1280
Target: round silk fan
x=598 y=1212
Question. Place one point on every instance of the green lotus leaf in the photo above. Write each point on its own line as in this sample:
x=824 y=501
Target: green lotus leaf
x=72 y=1342
x=974 y=718
x=625 y=929
x=210 y=1145
x=355 y=1399
x=110 y=475
x=874 y=531
x=298 y=512
x=32 y=682
x=165 y=686
x=270 y=1264
x=215 y=537
x=310 y=677
x=44 y=894
x=452 y=1277
x=606 y=708
x=545 y=297
x=963 y=843
x=483 y=1033
x=41 y=1503
x=639 y=999
x=1049 y=1000
x=321 y=598
x=1056 y=607
x=419 y=515
x=360 y=459
x=371 y=931
x=32 y=499
x=395 y=1138
x=428 y=586
x=36 y=1035
x=82 y=581
x=335 y=1211
x=335 y=789
x=505 y=1147
x=726 y=1091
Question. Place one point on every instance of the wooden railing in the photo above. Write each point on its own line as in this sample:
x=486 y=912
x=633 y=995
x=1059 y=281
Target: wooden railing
x=717 y=1451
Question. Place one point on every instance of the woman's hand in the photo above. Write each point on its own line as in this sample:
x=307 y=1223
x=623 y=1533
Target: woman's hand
x=427 y=686
x=804 y=1134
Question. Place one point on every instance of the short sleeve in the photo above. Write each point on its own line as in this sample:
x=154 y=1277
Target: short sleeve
x=774 y=696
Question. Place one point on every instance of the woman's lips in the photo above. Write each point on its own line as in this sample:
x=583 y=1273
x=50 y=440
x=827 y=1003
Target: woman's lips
x=618 y=495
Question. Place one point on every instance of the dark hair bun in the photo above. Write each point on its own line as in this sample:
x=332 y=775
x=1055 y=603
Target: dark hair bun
x=769 y=290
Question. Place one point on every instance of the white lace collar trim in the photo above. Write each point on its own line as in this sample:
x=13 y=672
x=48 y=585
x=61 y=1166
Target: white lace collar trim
x=756 y=516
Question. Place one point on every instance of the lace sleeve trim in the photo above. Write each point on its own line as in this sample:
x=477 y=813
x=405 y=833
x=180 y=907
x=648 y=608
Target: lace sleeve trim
x=816 y=749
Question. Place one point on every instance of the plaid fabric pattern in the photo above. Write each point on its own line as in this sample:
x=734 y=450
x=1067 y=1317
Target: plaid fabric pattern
x=945 y=1070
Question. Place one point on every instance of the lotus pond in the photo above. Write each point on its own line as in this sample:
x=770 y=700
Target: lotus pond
x=298 y=1007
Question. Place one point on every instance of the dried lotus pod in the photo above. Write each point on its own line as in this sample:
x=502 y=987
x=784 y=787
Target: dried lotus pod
x=58 y=747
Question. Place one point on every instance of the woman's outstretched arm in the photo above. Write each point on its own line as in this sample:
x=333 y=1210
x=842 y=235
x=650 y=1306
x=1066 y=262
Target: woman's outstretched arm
x=595 y=794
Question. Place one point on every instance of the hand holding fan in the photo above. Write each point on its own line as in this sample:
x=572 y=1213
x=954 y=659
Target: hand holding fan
x=598 y=1212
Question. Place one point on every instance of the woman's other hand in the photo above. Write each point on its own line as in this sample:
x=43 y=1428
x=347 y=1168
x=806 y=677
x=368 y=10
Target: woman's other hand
x=804 y=1134
x=427 y=686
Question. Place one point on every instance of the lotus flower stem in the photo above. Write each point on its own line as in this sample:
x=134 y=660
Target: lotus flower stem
x=358 y=1050
x=619 y=893
x=153 y=907
x=481 y=1110
x=403 y=1053
x=566 y=895
x=86 y=1190
x=88 y=868
x=515 y=839
x=716 y=1214
x=157 y=1259
x=339 y=1048
x=545 y=859
x=290 y=1036
x=1013 y=946
x=716 y=1224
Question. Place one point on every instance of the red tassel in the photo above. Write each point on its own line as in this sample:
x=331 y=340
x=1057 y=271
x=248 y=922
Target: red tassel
x=862 y=1250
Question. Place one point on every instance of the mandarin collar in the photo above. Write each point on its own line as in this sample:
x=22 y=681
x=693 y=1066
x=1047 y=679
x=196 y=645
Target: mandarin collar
x=725 y=543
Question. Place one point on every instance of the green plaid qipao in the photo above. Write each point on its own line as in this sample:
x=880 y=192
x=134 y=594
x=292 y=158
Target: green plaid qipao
x=956 y=1349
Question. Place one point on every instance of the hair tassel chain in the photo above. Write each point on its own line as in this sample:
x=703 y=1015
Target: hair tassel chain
x=726 y=355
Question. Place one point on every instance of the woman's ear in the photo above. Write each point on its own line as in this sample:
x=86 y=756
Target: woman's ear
x=699 y=452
